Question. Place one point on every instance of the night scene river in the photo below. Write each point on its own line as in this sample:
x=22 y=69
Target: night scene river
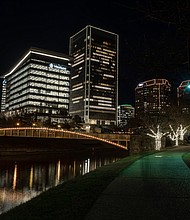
x=24 y=176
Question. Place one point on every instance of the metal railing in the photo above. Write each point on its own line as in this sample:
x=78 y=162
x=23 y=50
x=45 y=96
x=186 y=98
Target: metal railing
x=60 y=133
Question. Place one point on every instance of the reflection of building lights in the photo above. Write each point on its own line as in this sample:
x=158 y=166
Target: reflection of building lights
x=15 y=177
x=87 y=166
x=74 y=168
x=58 y=172
x=31 y=177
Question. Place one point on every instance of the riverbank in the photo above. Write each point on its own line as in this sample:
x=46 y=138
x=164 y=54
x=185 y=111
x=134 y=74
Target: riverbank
x=33 y=145
x=72 y=199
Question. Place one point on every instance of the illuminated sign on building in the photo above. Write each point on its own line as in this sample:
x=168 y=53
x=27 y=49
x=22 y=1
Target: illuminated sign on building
x=57 y=66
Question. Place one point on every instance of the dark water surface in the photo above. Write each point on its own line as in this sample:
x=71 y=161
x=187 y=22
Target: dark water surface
x=23 y=177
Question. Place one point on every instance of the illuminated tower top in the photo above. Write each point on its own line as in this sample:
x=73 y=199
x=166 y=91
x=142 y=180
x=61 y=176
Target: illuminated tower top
x=152 y=97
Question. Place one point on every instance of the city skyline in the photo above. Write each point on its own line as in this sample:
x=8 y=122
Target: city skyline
x=148 y=43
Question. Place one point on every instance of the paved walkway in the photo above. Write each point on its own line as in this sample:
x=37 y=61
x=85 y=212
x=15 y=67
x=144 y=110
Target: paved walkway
x=154 y=187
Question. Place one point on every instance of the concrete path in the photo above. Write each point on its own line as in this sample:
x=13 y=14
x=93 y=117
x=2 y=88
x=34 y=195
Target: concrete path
x=154 y=187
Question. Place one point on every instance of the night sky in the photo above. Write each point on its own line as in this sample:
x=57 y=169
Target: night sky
x=154 y=35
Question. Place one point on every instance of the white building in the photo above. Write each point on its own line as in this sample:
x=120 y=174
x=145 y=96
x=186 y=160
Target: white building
x=39 y=82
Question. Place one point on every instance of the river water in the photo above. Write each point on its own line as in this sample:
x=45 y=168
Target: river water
x=23 y=177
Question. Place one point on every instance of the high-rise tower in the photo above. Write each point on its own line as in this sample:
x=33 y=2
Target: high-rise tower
x=94 y=77
x=39 y=83
x=152 y=97
x=183 y=97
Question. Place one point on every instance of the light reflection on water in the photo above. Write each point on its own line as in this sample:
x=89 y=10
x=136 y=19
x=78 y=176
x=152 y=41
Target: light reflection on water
x=25 y=177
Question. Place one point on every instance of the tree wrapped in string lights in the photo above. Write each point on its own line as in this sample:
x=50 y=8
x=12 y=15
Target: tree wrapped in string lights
x=157 y=136
x=182 y=131
x=178 y=134
x=174 y=135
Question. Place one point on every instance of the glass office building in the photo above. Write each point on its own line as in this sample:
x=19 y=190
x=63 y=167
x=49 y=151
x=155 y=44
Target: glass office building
x=39 y=82
x=125 y=112
x=3 y=93
x=94 y=77
x=152 y=97
x=183 y=97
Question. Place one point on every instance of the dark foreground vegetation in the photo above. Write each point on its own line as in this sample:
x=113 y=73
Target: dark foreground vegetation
x=72 y=199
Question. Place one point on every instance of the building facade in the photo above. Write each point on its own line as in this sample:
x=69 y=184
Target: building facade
x=94 y=77
x=183 y=97
x=125 y=112
x=3 y=83
x=152 y=97
x=40 y=83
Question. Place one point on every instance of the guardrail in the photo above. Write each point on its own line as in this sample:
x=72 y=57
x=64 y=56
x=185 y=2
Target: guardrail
x=60 y=133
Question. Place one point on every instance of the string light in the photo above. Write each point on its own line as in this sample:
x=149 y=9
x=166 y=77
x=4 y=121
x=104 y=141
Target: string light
x=77 y=134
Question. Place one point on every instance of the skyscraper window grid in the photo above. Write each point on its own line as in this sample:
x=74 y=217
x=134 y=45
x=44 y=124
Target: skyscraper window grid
x=94 y=77
x=152 y=97
x=183 y=97
x=39 y=83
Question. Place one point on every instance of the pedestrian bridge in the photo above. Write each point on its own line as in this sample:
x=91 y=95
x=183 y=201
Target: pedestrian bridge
x=117 y=140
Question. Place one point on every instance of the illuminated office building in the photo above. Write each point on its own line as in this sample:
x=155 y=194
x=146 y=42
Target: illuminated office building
x=152 y=97
x=183 y=97
x=39 y=82
x=3 y=93
x=125 y=112
x=94 y=77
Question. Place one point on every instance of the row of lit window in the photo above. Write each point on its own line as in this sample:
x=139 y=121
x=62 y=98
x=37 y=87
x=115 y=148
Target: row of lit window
x=77 y=98
x=75 y=64
x=45 y=86
x=25 y=89
x=102 y=102
x=41 y=98
x=101 y=107
x=18 y=83
x=49 y=74
x=47 y=80
x=49 y=92
x=36 y=103
x=79 y=58
x=48 y=98
x=77 y=88
x=20 y=78
x=18 y=92
x=74 y=77
x=101 y=54
x=17 y=88
x=42 y=67
x=38 y=79
x=103 y=88
x=19 y=72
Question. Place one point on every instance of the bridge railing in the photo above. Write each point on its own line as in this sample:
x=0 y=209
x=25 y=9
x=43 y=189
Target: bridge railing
x=59 y=133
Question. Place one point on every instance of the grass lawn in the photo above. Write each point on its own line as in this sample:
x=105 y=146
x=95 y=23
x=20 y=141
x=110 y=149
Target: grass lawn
x=186 y=159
